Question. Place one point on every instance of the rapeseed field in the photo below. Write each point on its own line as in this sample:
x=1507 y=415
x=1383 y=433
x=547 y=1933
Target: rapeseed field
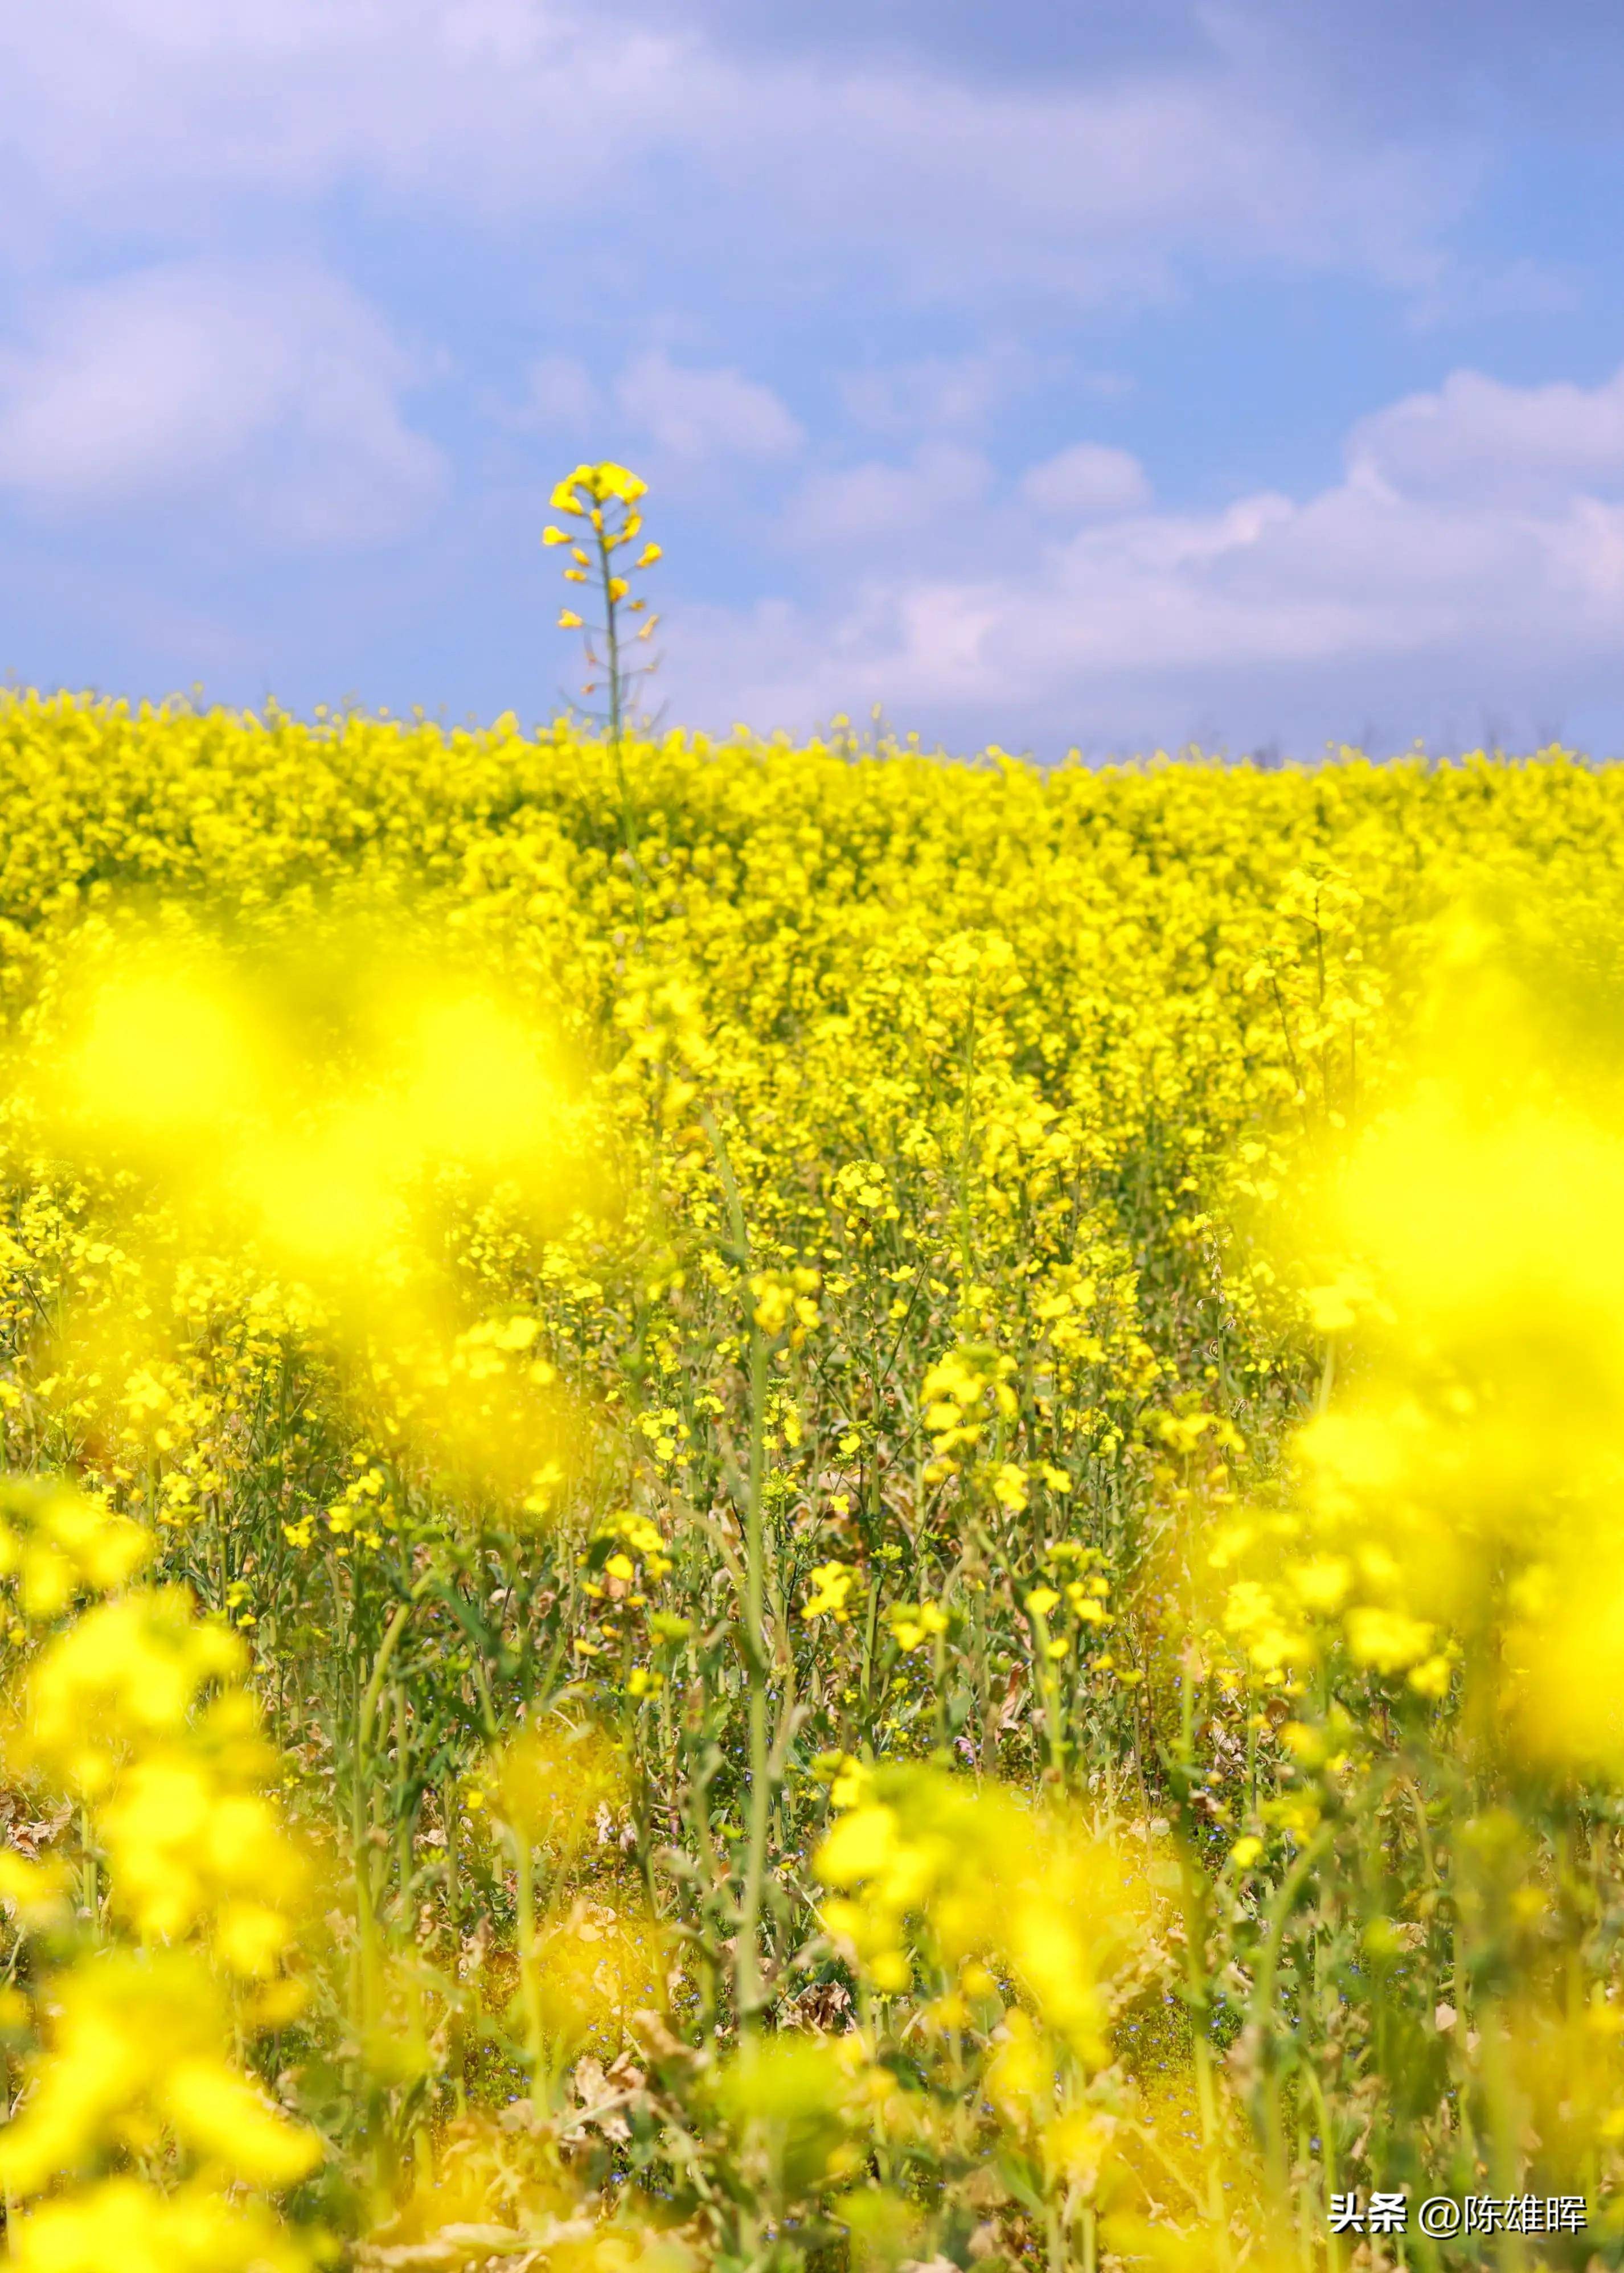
x=794 y=1505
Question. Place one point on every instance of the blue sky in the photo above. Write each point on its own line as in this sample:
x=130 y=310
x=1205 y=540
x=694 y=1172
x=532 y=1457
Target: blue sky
x=1051 y=374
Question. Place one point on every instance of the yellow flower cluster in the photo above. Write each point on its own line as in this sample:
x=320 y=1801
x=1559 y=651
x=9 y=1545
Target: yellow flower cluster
x=605 y=497
x=56 y=1542
x=124 y=2224
x=775 y=1253
x=115 y=1712
x=1452 y=1519
x=991 y=1885
x=136 y=1709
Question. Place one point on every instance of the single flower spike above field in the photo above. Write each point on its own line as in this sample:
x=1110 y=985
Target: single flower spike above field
x=602 y=482
x=606 y=498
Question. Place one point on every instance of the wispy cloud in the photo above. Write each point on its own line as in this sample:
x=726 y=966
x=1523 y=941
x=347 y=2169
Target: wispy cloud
x=938 y=393
x=881 y=506
x=1473 y=549
x=695 y=415
x=496 y=108
x=1085 y=480
x=267 y=393
x=903 y=309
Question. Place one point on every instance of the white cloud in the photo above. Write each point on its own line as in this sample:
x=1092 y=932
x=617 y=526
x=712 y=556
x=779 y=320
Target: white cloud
x=629 y=179
x=696 y=415
x=1471 y=562
x=1477 y=436
x=877 y=505
x=1086 y=481
x=930 y=393
x=267 y=392
x=511 y=109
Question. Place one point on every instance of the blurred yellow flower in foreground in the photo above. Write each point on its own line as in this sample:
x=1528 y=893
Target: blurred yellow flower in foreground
x=123 y=2223
x=977 y=1879
x=138 y=1710
x=311 y=1127
x=1455 y=1515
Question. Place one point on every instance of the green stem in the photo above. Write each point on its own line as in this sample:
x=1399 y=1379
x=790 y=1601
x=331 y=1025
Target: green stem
x=748 y=1992
x=967 y=1237
x=367 y=1919
x=1198 y=1998
x=91 y=1889
x=749 y=1973
x=1263 y=1992
x=530 y=1977
x=617 y=727
x=1049 y=1686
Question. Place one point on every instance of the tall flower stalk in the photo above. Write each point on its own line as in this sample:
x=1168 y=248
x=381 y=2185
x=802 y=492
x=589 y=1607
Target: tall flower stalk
x=604 y=500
